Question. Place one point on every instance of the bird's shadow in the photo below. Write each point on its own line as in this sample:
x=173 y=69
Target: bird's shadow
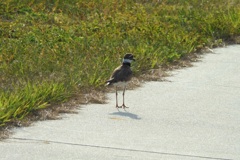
x=126 y=114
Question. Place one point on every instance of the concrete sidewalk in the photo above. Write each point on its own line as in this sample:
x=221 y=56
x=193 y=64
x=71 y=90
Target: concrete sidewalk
x=193 y=116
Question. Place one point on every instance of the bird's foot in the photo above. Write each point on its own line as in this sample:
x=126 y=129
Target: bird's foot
x=123 y=106
x=118 y=106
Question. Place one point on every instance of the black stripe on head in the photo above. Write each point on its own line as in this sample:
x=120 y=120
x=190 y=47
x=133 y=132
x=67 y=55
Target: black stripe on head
x=128 y=56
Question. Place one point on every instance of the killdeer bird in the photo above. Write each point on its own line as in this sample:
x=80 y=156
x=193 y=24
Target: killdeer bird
x=121 y=76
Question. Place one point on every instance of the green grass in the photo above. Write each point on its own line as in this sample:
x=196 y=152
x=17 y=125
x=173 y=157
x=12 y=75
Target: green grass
x=50 y=50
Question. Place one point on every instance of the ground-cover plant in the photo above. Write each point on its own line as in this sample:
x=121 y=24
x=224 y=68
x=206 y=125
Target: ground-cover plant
x=20 y=102
x=52 y=49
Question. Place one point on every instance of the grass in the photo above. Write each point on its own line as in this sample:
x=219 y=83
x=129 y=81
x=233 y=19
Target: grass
x=51 y=50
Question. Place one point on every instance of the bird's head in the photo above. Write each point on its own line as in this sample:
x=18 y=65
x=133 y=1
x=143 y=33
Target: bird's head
x=128 y=58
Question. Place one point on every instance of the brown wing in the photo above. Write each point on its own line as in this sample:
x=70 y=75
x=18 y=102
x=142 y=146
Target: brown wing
x=122 y=73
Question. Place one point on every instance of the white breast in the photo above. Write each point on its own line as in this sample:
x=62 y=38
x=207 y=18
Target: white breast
x=121 y=84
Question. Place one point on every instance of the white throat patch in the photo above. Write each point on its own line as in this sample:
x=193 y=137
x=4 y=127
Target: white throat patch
x=127 y=61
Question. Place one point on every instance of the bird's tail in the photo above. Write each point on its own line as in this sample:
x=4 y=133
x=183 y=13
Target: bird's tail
x=108 y=83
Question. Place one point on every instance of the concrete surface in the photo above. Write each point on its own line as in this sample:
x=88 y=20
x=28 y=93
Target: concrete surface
x=194 y=115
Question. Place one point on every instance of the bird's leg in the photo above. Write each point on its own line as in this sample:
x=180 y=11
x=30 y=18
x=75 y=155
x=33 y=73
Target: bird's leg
x=123 y=105
x=117 y=99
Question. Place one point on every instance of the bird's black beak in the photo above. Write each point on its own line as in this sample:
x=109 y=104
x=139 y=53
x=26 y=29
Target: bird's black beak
x=134 y=59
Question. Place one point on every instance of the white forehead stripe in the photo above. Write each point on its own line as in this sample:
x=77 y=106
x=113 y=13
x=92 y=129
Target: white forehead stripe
x=127 y=61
